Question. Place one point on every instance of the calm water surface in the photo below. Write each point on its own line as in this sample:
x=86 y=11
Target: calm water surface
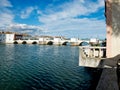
x=37 y=67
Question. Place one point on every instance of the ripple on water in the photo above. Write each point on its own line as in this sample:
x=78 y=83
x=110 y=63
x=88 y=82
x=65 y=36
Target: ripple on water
x=34 y=67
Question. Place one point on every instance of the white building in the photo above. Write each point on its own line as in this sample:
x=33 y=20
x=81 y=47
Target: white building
x=58 y=39
x=45 y=38
x=74 y=39
x=6 y=37
x=94 y=41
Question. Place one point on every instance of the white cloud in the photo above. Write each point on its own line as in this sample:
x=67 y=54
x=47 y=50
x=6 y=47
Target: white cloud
x=5 y=3
x=39 y=12
x=6 y=15
x=60 y=19
x=26 y=13
x=24 y=28
x=75 y=25
x=71 y=10
x=64 y=20
x=6 y=19
x=83 y=28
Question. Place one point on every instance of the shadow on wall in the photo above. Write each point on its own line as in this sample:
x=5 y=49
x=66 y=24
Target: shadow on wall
x=116 y=19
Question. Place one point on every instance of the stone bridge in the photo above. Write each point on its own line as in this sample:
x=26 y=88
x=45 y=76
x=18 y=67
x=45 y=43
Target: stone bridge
x=26 y=42
x=51 y=42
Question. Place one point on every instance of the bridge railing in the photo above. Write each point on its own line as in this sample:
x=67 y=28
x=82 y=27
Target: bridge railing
x=93 y=52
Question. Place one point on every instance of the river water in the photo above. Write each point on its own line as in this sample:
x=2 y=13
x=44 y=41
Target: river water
x=42 y=67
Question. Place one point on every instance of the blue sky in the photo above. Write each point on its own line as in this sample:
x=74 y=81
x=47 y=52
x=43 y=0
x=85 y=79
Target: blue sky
x=69 y=18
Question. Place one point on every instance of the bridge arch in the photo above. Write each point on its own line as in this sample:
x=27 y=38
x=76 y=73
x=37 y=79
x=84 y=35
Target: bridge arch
x=84 y=43
x=34 y=42
x=64 y=43
x=50 y=43
x=24 y=42
x=15 y=42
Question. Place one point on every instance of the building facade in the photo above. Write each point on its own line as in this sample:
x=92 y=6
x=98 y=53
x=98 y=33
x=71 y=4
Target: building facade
x=18 y=37
x=6 y=37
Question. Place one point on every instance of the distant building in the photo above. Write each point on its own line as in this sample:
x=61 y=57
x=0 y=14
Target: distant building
x=10 y=37
x=43 y=38
x=58 y=38
x=6 y=37
x=25 y=36
x=18 y=36
x=74 y=39
x=94 y=41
